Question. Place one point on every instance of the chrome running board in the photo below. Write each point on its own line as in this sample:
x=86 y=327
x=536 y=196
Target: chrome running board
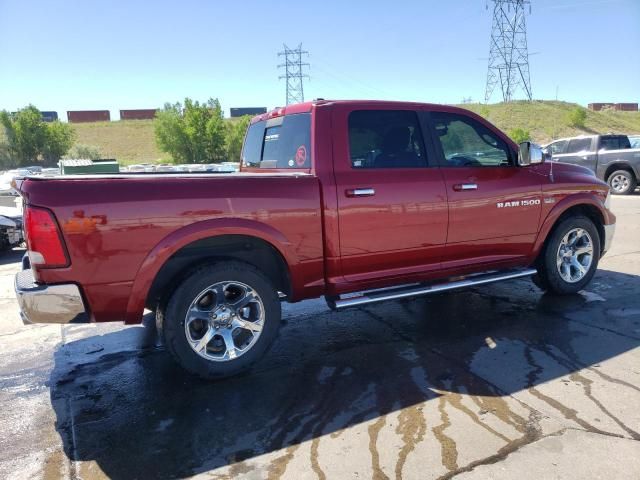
x=414 y=290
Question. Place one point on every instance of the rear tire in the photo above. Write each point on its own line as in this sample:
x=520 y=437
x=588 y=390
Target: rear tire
x=221 y=319
x=570 y=257
x=622 y=182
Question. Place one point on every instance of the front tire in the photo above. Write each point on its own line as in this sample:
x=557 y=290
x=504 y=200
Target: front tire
x=622 y=182
x=570 y=258
x=221 y=319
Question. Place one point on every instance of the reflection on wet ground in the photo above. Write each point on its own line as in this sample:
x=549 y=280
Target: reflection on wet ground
x=422 y=388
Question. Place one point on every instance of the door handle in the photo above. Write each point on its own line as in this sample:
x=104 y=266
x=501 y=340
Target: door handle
x=461 y=187
x=360 y=192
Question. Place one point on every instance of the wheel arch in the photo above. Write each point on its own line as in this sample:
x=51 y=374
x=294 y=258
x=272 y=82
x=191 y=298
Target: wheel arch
x=242 y=240
x=209 y=250
x=620 y=165
x=586 y=207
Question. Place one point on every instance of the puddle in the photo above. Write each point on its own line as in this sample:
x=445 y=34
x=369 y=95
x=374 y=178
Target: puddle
x=591 y=297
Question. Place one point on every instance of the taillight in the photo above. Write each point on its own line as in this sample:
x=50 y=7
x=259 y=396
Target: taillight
x=44 y=241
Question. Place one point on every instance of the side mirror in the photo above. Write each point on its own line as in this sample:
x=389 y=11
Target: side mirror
x=529 y=154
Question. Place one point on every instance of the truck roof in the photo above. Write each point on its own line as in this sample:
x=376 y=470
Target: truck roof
x=305 y=107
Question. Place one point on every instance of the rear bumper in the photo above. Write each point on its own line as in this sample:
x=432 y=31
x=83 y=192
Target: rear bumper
x=609 y=232
x=48 y=303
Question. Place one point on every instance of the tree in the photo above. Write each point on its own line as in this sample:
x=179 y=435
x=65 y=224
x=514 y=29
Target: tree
x=235 y=137
x=519 y=135
x=193 y=133
x=25 y=132
x=58 y=140
x=5 y=157
x=171 y=136
x=31 y=140
x=576 y=117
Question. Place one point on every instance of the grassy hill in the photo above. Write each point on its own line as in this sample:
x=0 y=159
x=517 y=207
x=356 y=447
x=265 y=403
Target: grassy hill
x=128 y=141
x=546 y=120
x=133 y=141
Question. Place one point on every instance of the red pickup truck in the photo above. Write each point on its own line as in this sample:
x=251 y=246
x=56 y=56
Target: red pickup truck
x=359 y=201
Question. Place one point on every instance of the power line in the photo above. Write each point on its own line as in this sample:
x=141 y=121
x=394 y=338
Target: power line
x=347 y=81
x=508 y=52
x=294 y=73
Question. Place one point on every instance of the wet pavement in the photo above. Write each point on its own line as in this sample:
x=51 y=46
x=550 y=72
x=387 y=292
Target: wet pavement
x=497 y=381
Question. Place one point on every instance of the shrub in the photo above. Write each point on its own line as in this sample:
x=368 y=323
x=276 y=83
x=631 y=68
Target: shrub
x=576 y=117
x=519 y=135
x=80 y=150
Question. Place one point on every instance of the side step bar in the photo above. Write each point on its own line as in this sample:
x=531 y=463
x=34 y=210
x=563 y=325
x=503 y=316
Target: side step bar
x=414 y=290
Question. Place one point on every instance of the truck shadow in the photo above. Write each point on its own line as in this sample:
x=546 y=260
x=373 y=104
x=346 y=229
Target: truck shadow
x=11 y=256
x=122 y=403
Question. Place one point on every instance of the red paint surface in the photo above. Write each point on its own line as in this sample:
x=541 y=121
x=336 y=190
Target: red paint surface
x=119 y=231
x=81 y=116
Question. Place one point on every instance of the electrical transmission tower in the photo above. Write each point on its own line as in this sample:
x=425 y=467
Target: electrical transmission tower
x=294 y=73
x=508 y=54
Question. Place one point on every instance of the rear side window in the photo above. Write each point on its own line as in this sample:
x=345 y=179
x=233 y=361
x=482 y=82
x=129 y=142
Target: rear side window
x=614 y=143
x=385 y=139
x=579 y=145
x=281 y=142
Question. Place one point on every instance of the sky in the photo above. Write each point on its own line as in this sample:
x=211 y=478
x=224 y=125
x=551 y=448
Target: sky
x=84 y=55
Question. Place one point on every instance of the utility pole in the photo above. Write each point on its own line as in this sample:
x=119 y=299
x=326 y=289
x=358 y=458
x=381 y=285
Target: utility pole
x=294 y=73
x=508 y=52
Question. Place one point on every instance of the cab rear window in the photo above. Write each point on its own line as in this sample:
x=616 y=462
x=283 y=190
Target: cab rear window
x=281 y=142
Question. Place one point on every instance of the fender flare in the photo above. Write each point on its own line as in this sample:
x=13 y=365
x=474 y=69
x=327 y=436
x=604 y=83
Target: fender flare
x=620 y=164
x=188 y=234
x=578 y=199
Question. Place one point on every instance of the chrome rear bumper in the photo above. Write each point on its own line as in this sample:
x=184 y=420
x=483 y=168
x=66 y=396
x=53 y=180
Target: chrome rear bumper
x=48 y=303
x=609 y=232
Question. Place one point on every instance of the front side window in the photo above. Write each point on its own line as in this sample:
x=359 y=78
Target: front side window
x=579 y=145
x=281 y=142
x=559 y=147
x=467 y=143
x=385 y=139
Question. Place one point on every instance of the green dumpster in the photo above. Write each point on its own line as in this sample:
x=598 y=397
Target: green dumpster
x=79 y=167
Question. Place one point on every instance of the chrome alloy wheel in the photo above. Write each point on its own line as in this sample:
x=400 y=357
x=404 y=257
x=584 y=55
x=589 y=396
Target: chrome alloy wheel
x=224 y=321
x=575 y=255
x=620 y=183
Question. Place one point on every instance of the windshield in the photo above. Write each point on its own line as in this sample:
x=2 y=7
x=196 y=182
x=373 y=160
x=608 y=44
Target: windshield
x=282 y=142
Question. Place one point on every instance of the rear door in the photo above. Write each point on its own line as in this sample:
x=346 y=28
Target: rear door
x=391 y=198
x=579 y=151
x=494 y=205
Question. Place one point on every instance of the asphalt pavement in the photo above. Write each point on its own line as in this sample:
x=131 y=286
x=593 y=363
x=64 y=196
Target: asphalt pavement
x=498 y=381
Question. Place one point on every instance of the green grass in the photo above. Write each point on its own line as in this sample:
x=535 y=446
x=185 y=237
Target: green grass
x=133 y=141
x=128 y=141
x=547 y=120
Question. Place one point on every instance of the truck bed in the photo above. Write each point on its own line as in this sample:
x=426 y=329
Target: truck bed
x=112 y=223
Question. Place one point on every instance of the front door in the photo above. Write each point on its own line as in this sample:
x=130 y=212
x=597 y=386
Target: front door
x=391 y=198
x=579 y=151
x=494 y=205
